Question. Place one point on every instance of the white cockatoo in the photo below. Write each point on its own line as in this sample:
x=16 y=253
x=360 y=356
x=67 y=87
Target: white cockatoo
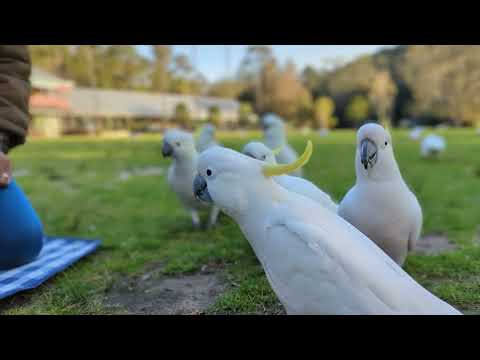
x=315 y=261
x=380 y=204
x=275 y=137
x=180 y=145
x=416 y=133
x=432 y=145
x=301 y=186
x=206 y=138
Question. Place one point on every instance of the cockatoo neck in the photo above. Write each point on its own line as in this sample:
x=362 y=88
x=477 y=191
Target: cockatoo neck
x=186 y=159
x=258 y=199
x=204 y=136
x=275 y=138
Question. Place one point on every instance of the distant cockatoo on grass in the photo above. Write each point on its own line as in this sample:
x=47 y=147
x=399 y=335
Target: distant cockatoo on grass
x=206 y=138
x=432 y=146
x=315 y=261
x=298 y=185
x=180 y=146
x=416 y=133
x=275 y=137
x=380 y=204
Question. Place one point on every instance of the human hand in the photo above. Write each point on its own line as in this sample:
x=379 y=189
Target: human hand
x=5 y=170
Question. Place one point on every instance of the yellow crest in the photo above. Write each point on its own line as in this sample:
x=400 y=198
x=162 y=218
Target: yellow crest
x=277 y=170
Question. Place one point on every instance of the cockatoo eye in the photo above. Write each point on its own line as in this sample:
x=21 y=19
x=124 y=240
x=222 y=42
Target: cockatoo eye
x=209 y=172
x=386 y=143
x=177 y=143
x=264 y=157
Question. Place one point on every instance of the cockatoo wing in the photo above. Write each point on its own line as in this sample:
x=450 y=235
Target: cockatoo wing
x=342 y=271
x=309 y=280
x=417 y=227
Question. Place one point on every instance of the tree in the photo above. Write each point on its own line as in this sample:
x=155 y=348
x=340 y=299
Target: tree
x=245 y=113
x=103 y=66
x=304 y=114
x=52 y=58
x=357 y=109
x=280 y=91
x=230 y=89
x=324 y=108
x=182 y=116
x=256 y=57
x=313 y=80
x=215 y=116
x=183 y=78
x=182 y=66
x=83 y=64
x=382 y=96
x=265 y=88
x=118 y=67
x=160 y=76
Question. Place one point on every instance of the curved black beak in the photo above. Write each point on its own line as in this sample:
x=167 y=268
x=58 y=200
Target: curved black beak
x=167 y=149
x=200 y=190
x=368 y=153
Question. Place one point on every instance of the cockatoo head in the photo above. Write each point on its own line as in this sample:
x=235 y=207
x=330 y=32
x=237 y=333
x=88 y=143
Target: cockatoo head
x=178 y=144
x=260 y=151
x=374 y=151
x=231 y=180
x=273 y=126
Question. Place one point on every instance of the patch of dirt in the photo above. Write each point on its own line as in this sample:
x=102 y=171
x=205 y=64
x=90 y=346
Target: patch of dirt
x=150 y=294
x=147 y=171
x=52 y=174
x=434 y=244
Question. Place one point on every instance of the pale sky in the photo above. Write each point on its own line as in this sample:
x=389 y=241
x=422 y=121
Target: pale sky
x=211 y=60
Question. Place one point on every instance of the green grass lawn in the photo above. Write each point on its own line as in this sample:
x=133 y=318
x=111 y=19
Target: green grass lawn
x=76 y=188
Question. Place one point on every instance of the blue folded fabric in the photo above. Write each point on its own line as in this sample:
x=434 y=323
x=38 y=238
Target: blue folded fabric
x=56 y=255
x=21 y=232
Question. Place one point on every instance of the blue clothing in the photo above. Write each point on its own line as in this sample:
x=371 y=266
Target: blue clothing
x=21 y=232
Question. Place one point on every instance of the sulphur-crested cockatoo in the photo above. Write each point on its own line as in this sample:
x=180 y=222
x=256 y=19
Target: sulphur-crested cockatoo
x=206 y=138
x=275 y=137
x=380 y=204
x=432 y=145
x=315 y=261
x=180 y=145
x=416 y=133
x=261 y=152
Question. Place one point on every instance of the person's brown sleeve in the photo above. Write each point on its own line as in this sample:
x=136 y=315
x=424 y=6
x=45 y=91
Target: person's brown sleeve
x=15 y=69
